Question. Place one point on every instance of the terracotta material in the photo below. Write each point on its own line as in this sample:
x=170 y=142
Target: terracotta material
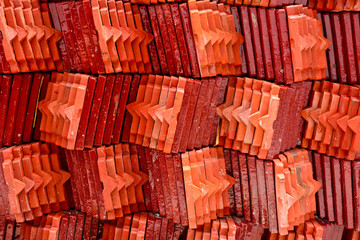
x=256 y=42
x=185 y=107
x=172 y=188
x=285 y=47
x=9 y=35
x=154 y=200
x=61 y=43
x=44 y=88
x=263 y=200
x=340 y=57
x=205 y=113
x=228 y=112
x=258 y=117
x=85 y=114
x=31 y=107
x=346 y=177
x=69 y=36
x=158 y=181
x=110 y=183
x=250 y=57
x=254 y=192
x=80 y=38
x=165 y=35
x=105 y=35
x=141 y=37
x=152 y=49
x=271 y=195
x=334 y=108
x=320 y=200
x=196 y=120
x=236 y=15
x=188 y=33
x=90 y=134
x=180 y=189
x=144 y=168
x=245 y=186
x=159 y=135
x=12 y=110
x=91 y=181
x=254 y=106
x=219 y=110
x=146 y=121
x=180 y=36
x=5 y=90
x=83 y=187
x=76 y=191
x=104 y=110
x=355 y=172
x=231 y=194
x=189 y=115
x=120 y=119
x=133 y=42
x=158 y=40
x=41 y=185
x=21 y=111
x=265 y=41
x=327 y=187
x=212 y=117
x=355 y=23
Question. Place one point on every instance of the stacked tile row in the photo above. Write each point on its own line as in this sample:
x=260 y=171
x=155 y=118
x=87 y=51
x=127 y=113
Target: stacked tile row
x=104 y=37
x=285 y=45
x=107 y=182
x=19 y=95
x=194 y=39
x=318 y=229
x=124 y=179
x=28 y=40
x=82 y=111
x=226 y=228
x=142 y=226
x=313 y=229
x=172 y=143
x=165 y=191
x=60 y=225
x=34 y=181
x=172 y=114
x=151 y=110
x=329 y=6
x=206 y=185
x=295 y=188
x=261 y=3
x=343 y=31
x=261 y=118
x=192 y=189
x=335 y=6
x=112 y=37
x=216 y=40
x=77 y=225
x=62 y=108
x=279 y=194
x=338 y=198
x=332 y=121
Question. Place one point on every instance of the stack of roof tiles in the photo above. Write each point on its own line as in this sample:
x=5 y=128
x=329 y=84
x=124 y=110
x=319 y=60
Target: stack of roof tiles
x=155 y=119
x=332 y=120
